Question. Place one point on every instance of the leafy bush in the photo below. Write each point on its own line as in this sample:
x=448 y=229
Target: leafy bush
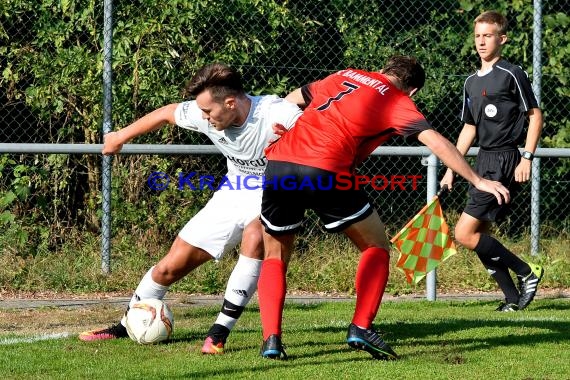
x=51 y=90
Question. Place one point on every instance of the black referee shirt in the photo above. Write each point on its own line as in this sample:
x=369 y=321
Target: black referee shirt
x=497 y=104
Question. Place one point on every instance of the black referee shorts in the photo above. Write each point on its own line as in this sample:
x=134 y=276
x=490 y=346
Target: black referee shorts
x=291 y=189
x=497 y=166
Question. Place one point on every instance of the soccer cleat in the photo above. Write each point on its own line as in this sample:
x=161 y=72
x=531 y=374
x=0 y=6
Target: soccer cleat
x=370 y=341
x=211 y=347
x=272 y=348
x=529 y=285
x=506 y=307
x=114 y=332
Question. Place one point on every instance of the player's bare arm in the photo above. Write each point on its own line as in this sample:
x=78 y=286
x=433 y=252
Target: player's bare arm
x=464 y=142
x=113 y=141
x=296 y=97
x=523 y=170
x=453 y=159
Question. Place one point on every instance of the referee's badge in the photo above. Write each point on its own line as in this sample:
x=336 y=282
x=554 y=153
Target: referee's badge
x=490 y=110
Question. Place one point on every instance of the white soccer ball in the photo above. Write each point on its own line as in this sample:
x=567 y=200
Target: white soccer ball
x=149 y=321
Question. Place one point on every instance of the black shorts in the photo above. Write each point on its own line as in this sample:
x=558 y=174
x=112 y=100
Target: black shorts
x=497 y=166
x=291 y=189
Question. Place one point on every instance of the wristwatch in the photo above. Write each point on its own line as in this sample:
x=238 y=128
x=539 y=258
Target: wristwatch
x=528 y=155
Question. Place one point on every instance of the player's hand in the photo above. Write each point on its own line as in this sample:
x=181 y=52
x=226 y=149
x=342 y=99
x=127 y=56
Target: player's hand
x=112 y=143
x=522 y=171
x=496 y=188
x=447 y=179
x=279 y=131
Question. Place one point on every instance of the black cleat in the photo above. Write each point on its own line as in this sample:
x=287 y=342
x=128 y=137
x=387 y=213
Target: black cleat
x=272 y=348
x=529 y=285
x=370 y=341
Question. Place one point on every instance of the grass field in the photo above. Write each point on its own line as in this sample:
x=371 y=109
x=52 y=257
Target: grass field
x=436 y=340
x=325 y=265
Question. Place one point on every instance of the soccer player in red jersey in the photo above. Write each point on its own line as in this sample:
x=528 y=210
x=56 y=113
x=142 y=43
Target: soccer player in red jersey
x=346 y=116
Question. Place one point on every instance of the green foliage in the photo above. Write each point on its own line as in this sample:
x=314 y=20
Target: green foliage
x=557 y=78
x=51 y=84
x=61 y=39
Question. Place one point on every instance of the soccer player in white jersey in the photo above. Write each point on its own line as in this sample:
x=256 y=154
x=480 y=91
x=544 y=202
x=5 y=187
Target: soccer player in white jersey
x=241 y=126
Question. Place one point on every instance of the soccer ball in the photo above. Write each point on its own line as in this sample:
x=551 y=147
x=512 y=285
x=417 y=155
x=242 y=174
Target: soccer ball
x=149 y=321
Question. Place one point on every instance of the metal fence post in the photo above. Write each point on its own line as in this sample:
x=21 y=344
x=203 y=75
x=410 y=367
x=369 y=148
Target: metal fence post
x=536 y=84
x=107 y=161
x=432 y=165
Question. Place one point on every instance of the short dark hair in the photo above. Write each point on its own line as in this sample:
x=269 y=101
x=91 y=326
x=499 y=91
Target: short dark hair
x=222 y=81
x=494 y=17
x=407 y=69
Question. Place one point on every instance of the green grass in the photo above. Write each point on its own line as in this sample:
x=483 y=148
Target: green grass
x=436 y=340
x=326 y=264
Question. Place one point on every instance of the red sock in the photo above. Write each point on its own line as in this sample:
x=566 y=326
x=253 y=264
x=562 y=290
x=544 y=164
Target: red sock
x=271 y=288
x=371 y=279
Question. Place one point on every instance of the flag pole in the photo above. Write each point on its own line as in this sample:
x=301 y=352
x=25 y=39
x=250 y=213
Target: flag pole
x=432 y=165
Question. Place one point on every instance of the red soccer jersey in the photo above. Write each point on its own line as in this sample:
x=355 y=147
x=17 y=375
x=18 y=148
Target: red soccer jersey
x=349 y=114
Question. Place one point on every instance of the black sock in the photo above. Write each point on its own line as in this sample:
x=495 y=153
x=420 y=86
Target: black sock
x=219 y=333
x=509 y=259
x=490 y=253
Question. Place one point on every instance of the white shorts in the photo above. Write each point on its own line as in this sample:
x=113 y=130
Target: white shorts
x=218 y=227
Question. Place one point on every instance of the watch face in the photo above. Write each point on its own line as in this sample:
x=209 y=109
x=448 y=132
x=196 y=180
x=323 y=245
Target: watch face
x=527 y=155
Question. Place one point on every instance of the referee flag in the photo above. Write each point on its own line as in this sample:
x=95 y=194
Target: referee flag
x=424 y=242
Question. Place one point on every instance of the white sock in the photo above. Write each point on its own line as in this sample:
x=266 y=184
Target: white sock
x=147 y=288
x=241 y=286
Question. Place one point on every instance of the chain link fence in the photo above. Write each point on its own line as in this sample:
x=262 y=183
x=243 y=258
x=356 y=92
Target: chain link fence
x=59 y=77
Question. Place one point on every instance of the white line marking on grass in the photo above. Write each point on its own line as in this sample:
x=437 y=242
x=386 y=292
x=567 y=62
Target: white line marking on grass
x=34 y=338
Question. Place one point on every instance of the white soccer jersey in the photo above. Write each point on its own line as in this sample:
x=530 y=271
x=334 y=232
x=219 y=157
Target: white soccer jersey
x=243 y=146
x=218 y=227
